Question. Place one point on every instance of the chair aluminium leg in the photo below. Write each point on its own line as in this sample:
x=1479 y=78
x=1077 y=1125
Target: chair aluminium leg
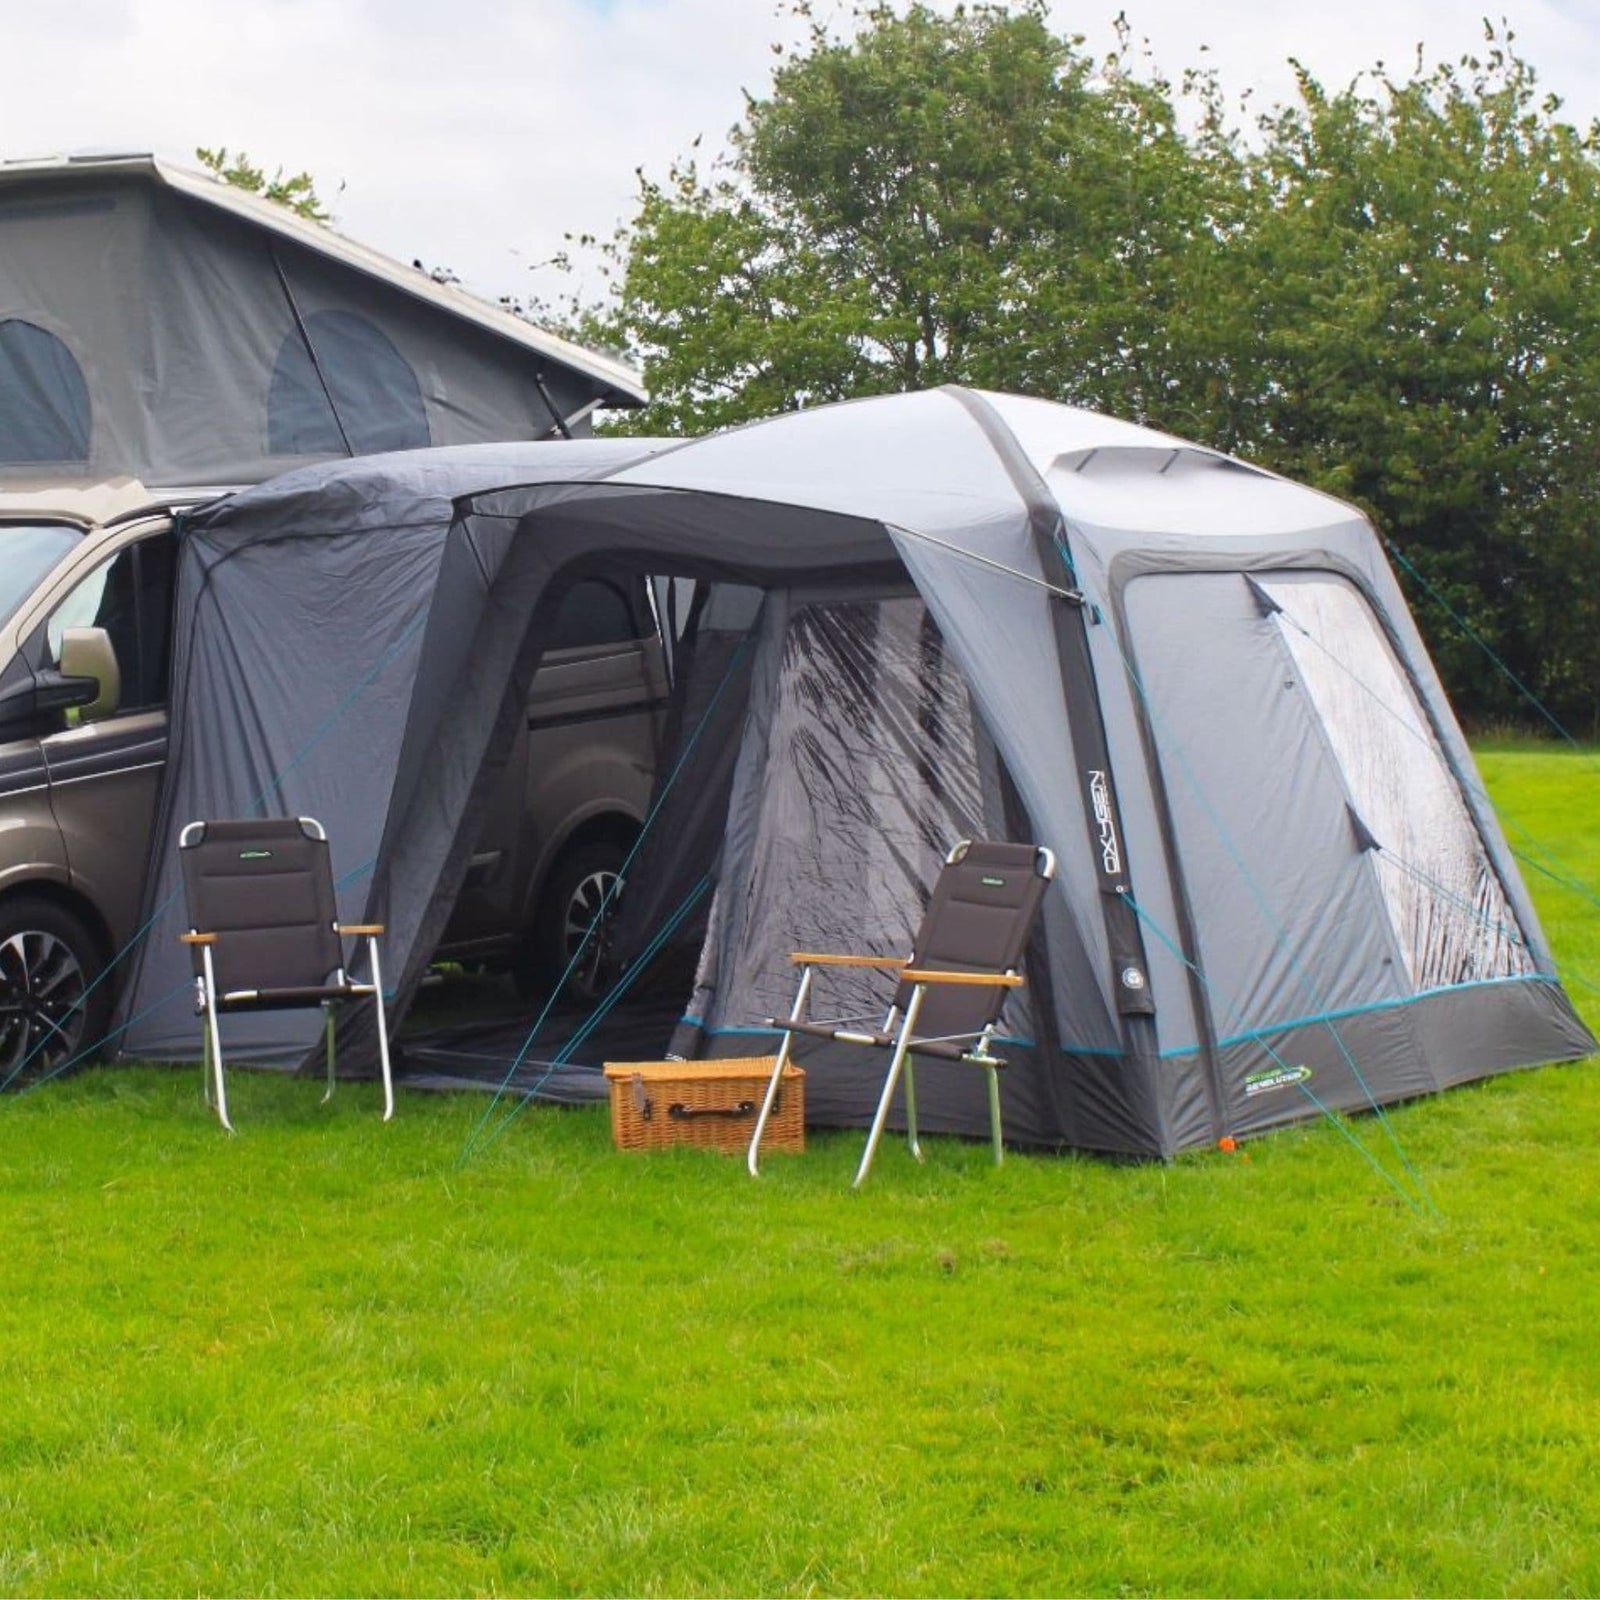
x=901 y=1050
x=327 y=1030
x=994 y=1113
x=911 y=1107
x=205 y=1053
x=214 y=1035
x=383 y=1030
x=796 y=1014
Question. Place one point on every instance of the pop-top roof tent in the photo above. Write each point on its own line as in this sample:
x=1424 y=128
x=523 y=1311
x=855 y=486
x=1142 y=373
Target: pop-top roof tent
x=1281 y=887
x=162 y=324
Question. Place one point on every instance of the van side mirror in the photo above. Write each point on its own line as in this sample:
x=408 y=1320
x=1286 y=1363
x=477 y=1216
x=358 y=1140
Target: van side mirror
x=88 y=656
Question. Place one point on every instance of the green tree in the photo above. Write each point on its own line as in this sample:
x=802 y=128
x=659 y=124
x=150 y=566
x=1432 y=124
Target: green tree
x=962 y=198
x=1420 y=291
x=297 y=191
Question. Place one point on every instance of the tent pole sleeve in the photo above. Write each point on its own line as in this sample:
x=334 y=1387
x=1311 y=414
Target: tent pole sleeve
x=1107 y=850
x=1130 y=976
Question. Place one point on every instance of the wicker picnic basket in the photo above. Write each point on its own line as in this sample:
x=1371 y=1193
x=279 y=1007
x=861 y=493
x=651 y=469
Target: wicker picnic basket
x=712 y=1104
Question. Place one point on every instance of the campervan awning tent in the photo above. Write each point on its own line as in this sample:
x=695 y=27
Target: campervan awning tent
x=160 y=324
x=1281 y=887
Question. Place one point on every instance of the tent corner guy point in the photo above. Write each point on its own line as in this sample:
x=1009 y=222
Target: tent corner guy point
x=906 y=620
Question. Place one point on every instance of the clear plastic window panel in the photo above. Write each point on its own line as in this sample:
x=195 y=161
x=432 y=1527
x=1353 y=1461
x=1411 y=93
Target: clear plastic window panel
x=1450 y=914
x=872 y=774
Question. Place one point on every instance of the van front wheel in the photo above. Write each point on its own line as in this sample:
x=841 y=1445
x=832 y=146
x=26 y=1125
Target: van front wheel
x=52 y=1012
x=580 y=895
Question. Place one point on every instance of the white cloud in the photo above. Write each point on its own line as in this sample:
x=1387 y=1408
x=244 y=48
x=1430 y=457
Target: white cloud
x=474 y=133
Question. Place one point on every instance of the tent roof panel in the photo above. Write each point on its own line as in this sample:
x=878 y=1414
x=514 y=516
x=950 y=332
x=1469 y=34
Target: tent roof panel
x=1047 y=430
x=918 y=460
x=347 y=495
x=1187 y=494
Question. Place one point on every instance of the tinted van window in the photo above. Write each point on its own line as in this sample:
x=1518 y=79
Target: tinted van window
x=594 y=612
x=28 y=551
x=130 y=596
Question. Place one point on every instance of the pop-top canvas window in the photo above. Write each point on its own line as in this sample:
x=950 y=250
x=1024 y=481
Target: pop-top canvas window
x=372 y=389
x=1450 y=914
x=44 y=401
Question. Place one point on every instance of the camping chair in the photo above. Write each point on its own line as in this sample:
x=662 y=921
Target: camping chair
x=265 y=934
x=947 y=1004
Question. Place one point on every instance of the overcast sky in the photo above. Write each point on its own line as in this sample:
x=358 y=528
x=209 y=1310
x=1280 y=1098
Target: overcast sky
x=473 y=134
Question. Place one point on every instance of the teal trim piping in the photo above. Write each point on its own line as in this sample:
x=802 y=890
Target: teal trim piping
x=1358 y=1011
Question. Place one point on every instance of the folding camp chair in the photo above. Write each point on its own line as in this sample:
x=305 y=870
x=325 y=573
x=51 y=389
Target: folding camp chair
x=952 y=987
x=265 y=934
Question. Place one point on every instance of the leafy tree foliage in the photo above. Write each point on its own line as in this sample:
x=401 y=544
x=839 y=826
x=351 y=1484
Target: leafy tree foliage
x=940 y=198
x=297 y=191
x=1391 y=291
x=1421 y=271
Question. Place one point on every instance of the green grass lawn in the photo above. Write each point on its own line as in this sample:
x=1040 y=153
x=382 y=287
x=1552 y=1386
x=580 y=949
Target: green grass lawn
x=327 y=1357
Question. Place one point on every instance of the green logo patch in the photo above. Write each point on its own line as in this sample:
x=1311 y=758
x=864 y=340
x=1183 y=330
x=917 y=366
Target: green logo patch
x=994 y=883
x=255 y=855
x=1275 y=1078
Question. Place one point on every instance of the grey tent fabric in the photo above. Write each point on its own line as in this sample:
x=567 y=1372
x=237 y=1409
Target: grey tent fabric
x=1194 y=682
x=716 y=658
x=296 y=687
x=159 y=324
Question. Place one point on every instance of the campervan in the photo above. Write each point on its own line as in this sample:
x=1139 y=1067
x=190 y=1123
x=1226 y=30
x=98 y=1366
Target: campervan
x=86 y=595
x=160 y=327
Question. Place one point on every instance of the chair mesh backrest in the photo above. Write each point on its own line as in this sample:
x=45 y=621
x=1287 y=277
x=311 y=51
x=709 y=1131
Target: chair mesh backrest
x=978 y=920
x=266 y=887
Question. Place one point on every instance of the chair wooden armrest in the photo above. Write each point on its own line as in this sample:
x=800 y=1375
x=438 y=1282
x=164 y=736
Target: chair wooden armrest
x=806 y=958
x=965 y=961
x=198 y=938
x=359 y=927
x=1003 y=980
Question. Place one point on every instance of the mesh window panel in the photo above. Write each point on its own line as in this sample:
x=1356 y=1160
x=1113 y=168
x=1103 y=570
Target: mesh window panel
x=44 y=400
x=1450 y=914
x=378 y=399
x=871 y=776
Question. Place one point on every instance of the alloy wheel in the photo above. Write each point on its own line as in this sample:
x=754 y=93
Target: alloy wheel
x=594 y=895
x=42 y=985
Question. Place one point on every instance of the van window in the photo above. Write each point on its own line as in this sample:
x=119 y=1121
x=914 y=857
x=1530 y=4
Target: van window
x=594 y=611
x=130 y=596
x=44 y=401
x=28 y=550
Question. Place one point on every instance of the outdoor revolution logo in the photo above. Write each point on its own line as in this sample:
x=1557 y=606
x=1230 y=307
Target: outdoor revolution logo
x=1110 y=847
x=1275 y=1078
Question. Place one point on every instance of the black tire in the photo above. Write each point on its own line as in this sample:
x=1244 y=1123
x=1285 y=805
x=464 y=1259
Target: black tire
x=51 y=1018
x=572 y=895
